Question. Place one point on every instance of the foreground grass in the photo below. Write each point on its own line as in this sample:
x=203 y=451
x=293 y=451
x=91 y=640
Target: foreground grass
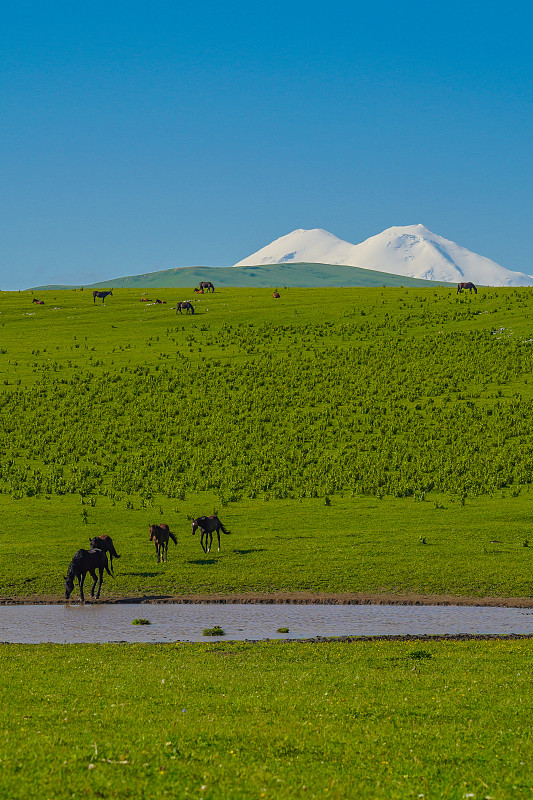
x=475 y=548
x=268 y=720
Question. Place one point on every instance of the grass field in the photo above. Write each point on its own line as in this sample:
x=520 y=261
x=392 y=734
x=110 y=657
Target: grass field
x=279 y=546
x=374 y=440
x=439 y=721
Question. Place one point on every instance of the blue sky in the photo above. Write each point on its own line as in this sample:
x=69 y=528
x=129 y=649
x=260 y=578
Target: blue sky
x=138 y=136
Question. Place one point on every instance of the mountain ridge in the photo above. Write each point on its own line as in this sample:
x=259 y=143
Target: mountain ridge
x=310 y=275
x=410 y=250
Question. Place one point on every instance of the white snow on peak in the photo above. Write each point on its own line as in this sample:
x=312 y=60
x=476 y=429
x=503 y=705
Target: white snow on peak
x=409 y=250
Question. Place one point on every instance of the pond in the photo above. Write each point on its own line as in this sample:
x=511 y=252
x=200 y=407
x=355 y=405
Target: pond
x=94 y=622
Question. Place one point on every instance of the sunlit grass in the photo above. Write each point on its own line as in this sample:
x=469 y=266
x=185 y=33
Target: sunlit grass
x=273 y=720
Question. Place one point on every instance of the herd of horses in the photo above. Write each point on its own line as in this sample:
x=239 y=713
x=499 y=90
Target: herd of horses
x=203 y=286
x=95 y=561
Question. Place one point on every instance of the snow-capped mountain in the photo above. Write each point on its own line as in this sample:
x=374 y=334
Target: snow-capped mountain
x=409 y=250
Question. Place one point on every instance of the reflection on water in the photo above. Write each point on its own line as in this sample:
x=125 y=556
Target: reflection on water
x=185 y=623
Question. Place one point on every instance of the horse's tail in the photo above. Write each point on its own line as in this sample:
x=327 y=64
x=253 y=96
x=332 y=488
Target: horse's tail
x=223 y=529
x=106 y=565
x=113 y=551
x=173 y=537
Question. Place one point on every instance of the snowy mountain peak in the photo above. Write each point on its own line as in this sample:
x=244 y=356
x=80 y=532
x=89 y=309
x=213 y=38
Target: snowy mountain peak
x=410 y=250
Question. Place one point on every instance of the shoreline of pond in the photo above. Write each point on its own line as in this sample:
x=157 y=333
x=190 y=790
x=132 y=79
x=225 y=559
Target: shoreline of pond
x=288 y=598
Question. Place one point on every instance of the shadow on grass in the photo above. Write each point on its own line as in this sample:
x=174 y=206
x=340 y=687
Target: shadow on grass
x=202 y=561
x=142 y=574
x=252 y=550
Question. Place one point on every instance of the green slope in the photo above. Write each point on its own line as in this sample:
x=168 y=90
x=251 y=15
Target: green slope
x=304 y=275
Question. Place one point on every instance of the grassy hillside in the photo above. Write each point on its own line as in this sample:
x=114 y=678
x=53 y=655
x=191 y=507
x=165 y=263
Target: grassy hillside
x=373 y=439
x=270 y=275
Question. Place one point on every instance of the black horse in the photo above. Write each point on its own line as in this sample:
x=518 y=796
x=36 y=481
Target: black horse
x=188 y=307
x=208 y=526
x=83 y=562
x=103 y=295
x=470 y=286
x=206 y=285
x=105 y=543
x=160 y=534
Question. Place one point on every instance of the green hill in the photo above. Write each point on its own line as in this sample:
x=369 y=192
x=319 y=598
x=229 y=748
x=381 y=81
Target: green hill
x=304 y=275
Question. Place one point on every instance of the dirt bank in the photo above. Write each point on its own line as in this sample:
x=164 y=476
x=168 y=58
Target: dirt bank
x=346 y=598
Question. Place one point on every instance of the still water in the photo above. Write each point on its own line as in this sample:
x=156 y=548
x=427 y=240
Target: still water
x=185 y=623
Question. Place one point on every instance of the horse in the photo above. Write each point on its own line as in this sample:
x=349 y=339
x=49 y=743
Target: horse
x=208 y=525
x=206 y=285
x=103 y=295
x=160 y=534
x=105 y=543
x=462 y=286
x=83 y=562
x=275 y=295
x=198 y=291
x=39 y=302
x=186 y=305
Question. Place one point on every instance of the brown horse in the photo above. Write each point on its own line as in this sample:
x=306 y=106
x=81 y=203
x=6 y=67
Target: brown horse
x=103 y=295
x=188 y=307
x=470 y=286
x=83 y=562
x=206 y=285
x=160 y=534
x=105 y=543
x=208 y=526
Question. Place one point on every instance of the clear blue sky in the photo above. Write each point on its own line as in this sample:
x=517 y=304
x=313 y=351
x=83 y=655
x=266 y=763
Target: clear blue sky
x=146 y=135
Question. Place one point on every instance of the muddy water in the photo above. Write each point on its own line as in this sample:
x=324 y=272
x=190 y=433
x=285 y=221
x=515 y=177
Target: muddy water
x=185 y=623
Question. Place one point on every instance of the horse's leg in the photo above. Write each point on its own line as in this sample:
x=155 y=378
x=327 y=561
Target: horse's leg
x=210 y=534
x=101 y=577
x=95 y=579
x=218 y=534
x=158 y=551
x=81 y=579
x=204 y=546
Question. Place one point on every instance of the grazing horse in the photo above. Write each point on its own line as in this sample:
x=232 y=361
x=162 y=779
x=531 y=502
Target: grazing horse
x=103 y=295
x=208 y=525
x=83 y=562
x=160 y=534
x=206 y=285
x=189 y=308
x=462 y=286
x=105 y=543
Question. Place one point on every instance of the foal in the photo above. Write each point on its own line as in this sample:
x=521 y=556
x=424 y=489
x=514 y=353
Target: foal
x=160 y=534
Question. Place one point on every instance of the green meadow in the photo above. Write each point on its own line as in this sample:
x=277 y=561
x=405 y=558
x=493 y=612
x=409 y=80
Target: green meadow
x=353 y=440
x=435 y=720
x=373 y=441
